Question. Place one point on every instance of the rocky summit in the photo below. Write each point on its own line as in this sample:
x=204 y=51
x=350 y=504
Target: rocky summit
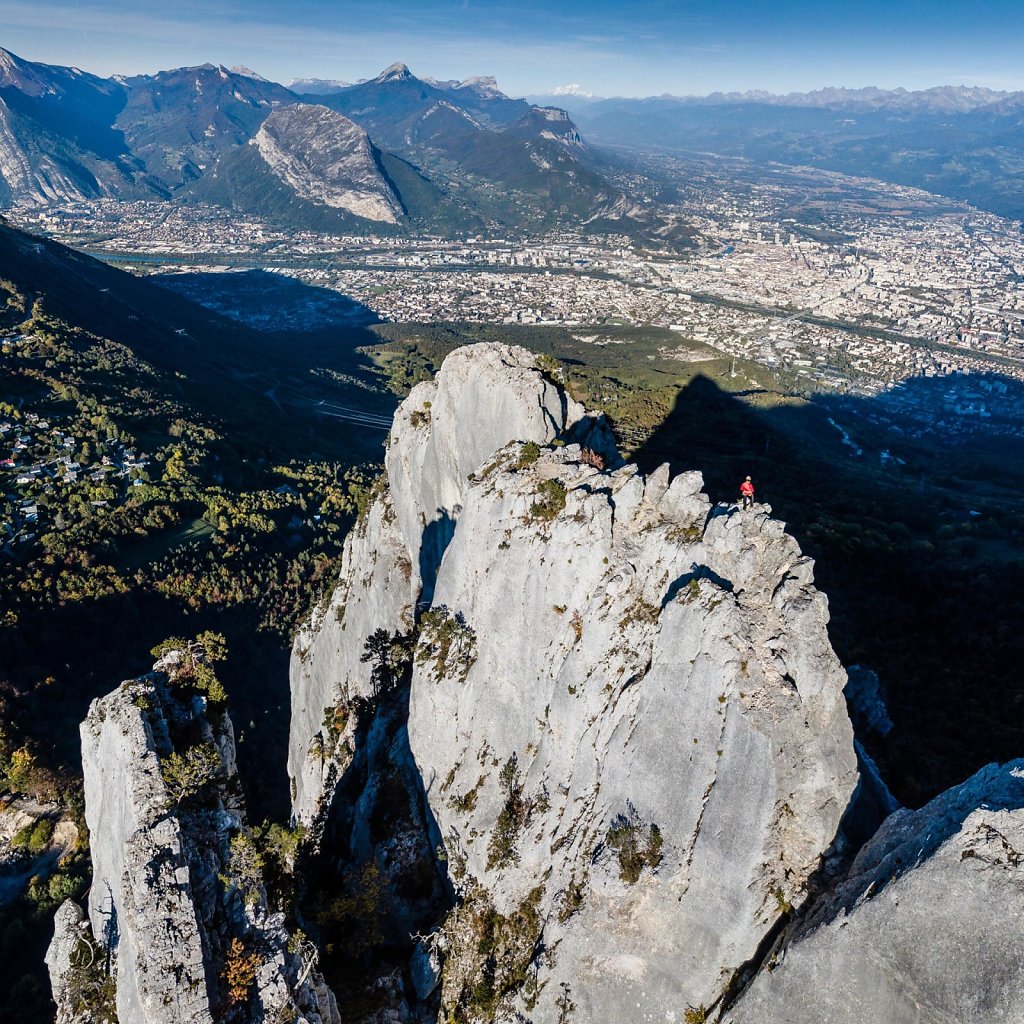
x=444 y=431
x=171 y=935
x=624 y=707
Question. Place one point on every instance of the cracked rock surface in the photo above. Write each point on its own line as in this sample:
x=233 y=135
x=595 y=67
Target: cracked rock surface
x=482 y=398
x=660 y=676
x=927 y=928
x=156 y=901
x=625 y=708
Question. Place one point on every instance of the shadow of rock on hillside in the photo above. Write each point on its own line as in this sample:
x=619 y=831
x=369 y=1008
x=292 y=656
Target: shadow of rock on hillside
x=269 y=301
x=919 y=550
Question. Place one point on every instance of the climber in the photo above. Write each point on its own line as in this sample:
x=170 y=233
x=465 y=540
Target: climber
x=747 y=493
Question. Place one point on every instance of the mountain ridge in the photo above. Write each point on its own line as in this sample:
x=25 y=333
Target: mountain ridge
x=944 y=98
x=466 y=154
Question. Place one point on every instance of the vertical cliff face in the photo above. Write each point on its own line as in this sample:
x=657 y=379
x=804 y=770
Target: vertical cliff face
x=162 y=809
x=624 y=707
x=481 y=399
x=925 y=929
x=140 y=902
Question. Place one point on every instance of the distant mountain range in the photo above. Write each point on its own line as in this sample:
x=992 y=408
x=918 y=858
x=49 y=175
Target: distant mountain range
x=939 y=99
x=317 y=86
x=394 y=153
x=960 y=141
x=400 y=153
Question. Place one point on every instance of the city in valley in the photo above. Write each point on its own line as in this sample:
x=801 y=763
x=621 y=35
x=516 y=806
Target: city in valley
x=875 y=284
x=546 y=551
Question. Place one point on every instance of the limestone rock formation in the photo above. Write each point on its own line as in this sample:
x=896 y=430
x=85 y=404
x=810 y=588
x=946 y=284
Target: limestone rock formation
x=648 y=726
x=927 y=928
x=159 y=839
x=481 y=399
x=625 y=709
x=70 y=929
x=326 y=158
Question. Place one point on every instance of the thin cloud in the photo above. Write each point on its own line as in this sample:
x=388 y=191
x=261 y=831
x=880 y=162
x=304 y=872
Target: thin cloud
x=649 y=48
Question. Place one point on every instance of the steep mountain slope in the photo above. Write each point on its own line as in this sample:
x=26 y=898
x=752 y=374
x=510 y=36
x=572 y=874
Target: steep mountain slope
x=63 y=100
x=470 y=137
x=327 y=159
x=178 y=122
x=310 y=166
x=481 y=97
x=57 y=139
x=159 y=326
x=388 y=106
x=318 y=156
x=444 y=156
x=212 y=362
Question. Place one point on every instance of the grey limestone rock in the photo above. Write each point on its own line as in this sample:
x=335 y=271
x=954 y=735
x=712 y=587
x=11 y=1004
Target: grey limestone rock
x=374 y=591
x=69 y=928
x=482 y=398
x=658 y=674
x=324 y=157
x=156 y=903
x=625 y=709
x=140 y=902
x=928 y=927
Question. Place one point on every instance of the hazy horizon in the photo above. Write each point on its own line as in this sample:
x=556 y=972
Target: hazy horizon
x=652 y=47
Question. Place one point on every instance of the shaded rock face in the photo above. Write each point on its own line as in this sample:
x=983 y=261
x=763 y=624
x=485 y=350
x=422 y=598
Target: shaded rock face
x=56 y=140
x=624 y=707
x=156 y=904
x=377 y=852
x=925 y=929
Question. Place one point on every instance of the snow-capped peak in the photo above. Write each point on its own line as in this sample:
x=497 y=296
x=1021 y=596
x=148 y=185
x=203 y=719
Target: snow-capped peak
x=572 y=89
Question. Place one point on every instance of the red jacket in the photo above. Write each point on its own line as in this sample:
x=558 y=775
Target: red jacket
x=747 y=489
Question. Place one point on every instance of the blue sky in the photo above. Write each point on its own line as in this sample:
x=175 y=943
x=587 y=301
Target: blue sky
x=645 y=47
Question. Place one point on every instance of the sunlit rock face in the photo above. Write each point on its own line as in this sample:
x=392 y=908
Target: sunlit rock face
x=624 y=707
x=482 y=398
x=158 y=907
x=649 y=723
x=326 y=158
